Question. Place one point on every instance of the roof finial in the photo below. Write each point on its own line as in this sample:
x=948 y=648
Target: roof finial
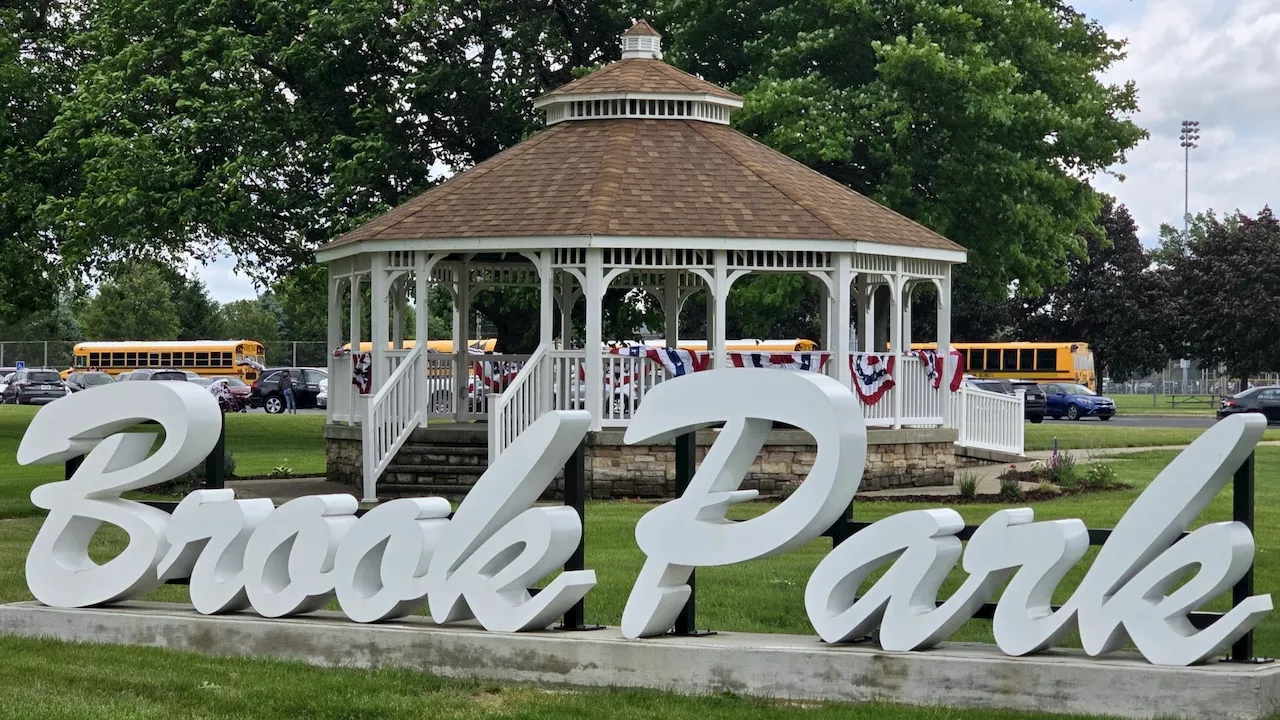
x=641 y=41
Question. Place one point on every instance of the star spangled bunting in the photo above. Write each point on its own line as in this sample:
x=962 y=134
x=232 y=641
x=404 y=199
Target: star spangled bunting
x=676 y=361
x=934 y=370
x=362 y=371
x=872 y=375
x=805 y=361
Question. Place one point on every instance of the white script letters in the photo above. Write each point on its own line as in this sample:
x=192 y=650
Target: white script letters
x=480 y=562
x=692 y=530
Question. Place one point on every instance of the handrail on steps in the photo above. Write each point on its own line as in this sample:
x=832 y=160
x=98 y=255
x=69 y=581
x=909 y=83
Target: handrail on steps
x=519 y=405
x=392 y=414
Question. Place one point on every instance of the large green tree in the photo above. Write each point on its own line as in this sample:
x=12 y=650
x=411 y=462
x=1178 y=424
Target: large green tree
x=982 y=120
x=135 y=304
x=37 y=69
x=1114 y=299
x=1228 y=280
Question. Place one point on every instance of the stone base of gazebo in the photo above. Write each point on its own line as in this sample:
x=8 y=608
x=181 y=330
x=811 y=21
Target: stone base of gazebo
x=446 y=460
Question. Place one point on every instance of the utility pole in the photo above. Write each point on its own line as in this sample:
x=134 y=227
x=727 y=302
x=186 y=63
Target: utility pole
x=1190 y=134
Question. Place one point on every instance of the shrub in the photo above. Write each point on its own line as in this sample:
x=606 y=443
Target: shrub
x=1010 y=488
x=1063 y=471
x=280 y=471
x=1100 y=476
x=968 y=485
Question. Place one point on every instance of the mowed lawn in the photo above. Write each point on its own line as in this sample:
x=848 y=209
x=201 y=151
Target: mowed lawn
x=54 y=680
x=1162 y=405
x=258 y=441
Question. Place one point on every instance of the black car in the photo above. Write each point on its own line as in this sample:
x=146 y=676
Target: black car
x=1034 y=398
x=307 y=383
x=78 y=381
x=1004 y=387
x=1264 y=400
x=34 y=387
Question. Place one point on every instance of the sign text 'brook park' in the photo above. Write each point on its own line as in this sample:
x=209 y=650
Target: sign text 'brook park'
x=408 y=553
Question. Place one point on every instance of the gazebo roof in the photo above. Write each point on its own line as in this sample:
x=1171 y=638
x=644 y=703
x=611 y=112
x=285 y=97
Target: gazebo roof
x=642 y=149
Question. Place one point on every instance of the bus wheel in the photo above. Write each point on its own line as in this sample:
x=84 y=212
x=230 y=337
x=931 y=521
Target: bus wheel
x=274 y=404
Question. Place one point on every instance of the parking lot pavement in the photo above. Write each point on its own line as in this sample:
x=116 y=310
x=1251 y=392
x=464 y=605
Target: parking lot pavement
x=1149 y=421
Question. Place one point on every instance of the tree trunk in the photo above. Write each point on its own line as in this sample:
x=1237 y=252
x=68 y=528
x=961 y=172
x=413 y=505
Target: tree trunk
x=1244 y=382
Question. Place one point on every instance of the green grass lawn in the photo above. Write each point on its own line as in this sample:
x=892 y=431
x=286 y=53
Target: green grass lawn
x=259 y=442
x=1094 y=435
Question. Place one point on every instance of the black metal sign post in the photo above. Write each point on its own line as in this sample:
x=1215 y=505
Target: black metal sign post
x=215 y=465
x=1242 y=512
x=686 y=463
x=575 y=496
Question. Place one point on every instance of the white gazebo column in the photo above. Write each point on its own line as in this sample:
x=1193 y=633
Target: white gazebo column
x=720 y=296
x=399 y=289
x=865 y=293
x=421 y=323
x=546 y=328
x=461 y=319
x=378 y=335
x=356 y=317
x=908 y=291
x=944 y=345
x=593 y=290
x=842 y=318
x=568 y=298
x=334 y=337
x=895 y=341
x=671 y=307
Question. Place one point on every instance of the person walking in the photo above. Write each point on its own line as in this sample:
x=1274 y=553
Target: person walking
x=286 y=389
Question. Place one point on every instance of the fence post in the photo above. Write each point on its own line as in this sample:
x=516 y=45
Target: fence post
x=575 y=496
x=295 y=354
x=46 y=354
x=686 y=462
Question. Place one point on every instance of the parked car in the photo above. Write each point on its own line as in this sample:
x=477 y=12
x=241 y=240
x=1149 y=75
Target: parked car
x=1075 y=401
x=78 y=381
x=322 y=398
x=265 y=391
x=1264 y=400
x=4 y=380
x=34 y=387
x=167 y=374
x=238 y=387
x=1033 y=397
x=1004 y=387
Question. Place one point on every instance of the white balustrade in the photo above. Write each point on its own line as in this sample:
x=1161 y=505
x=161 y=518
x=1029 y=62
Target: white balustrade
x=393 y=413
x=517 y=406
x=344 y=401
x=989 y=421
x=440 y=395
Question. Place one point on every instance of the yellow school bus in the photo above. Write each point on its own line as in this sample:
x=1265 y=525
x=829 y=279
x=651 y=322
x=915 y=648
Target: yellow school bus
x=205 y=357
x=1039 y=361
x=794 y=345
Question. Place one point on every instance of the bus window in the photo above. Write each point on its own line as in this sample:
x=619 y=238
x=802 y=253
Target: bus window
x=95 y=359
x=80 y=360
x=153 y=359
x=1047 y=360
x=166 y=359
x=202 y=359
x=975 y=360
x=117 y=359
x=1026 y=359
x=226 y=359
x=993 y=359
x=1010 y=360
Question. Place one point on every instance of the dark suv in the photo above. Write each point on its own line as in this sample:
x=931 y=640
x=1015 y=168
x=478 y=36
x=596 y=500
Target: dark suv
x=1035 y=400
x=78 y=381
x=34 y=387
x=307 y=383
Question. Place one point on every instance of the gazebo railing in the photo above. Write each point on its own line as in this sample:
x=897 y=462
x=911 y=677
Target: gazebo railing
x=395 y=410
x=519 y=404
x=989 y=421
x=344 y=402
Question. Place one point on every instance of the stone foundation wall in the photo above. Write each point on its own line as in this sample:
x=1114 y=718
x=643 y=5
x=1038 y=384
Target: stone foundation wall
x=895 y=458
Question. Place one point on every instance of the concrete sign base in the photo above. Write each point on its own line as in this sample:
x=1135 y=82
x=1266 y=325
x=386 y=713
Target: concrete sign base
x=780 y=666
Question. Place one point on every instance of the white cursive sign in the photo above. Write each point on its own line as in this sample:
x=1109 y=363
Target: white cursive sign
x=406 y=553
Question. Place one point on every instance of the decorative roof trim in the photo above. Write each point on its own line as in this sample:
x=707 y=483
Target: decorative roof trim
x=543 y=242
x=691 y=96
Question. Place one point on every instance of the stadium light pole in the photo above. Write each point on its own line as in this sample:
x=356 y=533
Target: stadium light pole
x=1190 y=134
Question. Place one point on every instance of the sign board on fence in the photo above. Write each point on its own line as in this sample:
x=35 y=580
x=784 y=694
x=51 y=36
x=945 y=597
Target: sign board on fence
x=407 y=553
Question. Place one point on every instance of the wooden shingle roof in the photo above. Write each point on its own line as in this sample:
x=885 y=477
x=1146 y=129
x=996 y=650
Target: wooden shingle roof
x=646 y=178
x=640 y=75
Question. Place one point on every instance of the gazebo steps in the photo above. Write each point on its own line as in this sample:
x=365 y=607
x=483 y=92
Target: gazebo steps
x=393 y=491
x=441 y=455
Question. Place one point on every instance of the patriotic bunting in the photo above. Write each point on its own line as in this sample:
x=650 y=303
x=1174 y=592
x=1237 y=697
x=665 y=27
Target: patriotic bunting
x=872 y=376
x=677 y=362
x=934 y=370
x=362 y=372
x=807 y=361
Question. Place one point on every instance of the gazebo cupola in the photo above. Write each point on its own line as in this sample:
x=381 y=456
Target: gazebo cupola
x=640 y=85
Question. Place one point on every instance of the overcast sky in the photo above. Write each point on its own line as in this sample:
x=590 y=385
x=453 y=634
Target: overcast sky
x=1216 y=61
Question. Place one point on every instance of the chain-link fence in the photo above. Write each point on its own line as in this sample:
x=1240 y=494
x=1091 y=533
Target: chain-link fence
x=58 y=354
x=1187 y=378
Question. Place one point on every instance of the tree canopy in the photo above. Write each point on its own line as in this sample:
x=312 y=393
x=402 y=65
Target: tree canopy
x=136 y=304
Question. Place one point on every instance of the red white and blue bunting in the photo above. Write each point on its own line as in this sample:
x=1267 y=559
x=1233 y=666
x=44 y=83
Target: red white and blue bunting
x=872 y=375
x=362 y=372
x=804 y=361
x=677 y=362
x=934 y=370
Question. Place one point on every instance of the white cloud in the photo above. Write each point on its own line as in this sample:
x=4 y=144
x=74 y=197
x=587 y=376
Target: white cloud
x=1208 y=60
x=223 y=281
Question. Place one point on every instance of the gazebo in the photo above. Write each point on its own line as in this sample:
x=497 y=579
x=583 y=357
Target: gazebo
x=638 y=181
